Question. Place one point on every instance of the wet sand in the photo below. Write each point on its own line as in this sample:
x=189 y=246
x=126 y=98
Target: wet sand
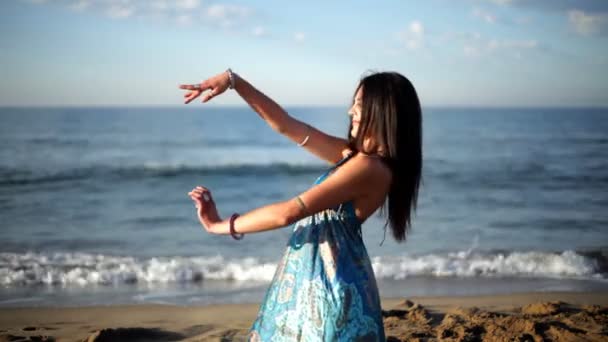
x=555 y=316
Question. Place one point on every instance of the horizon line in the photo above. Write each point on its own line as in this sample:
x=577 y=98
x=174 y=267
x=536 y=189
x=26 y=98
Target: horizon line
x=435 y=106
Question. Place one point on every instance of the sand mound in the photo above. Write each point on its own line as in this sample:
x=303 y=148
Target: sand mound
x=543 y=321
x=544 y=308
x=407 y=321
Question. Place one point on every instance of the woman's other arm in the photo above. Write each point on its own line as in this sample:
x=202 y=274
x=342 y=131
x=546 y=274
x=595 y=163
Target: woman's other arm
x=353 y=179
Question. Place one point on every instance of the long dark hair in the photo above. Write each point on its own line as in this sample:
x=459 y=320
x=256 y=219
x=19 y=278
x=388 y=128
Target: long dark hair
x=391 y=114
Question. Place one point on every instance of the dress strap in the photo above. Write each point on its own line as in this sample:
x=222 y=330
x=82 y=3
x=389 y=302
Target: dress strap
x=338 y=163
x=343 y=160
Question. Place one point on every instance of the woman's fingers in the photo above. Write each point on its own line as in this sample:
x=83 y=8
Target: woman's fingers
x=197 y=202
x=205 y=194
x=201 y=193
x=195 y=193
x=198 y=89
x=195 y=90
x=207 y=96
x=199 y=86
x=192 y=96
x=201 y=188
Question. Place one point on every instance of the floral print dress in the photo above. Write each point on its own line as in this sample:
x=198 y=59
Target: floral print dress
x=324 y=287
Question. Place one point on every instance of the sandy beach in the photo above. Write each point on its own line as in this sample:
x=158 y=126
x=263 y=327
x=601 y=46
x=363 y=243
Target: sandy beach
x=556 y=316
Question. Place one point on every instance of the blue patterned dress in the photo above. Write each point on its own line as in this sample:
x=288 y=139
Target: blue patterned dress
x=324 y=287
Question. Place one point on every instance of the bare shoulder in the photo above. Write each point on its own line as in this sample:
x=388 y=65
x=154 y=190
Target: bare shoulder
x=375 y=171
x=376 y=164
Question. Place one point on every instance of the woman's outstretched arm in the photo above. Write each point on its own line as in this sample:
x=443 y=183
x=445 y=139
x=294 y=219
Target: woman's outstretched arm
x=324 y=146
x=351 y=180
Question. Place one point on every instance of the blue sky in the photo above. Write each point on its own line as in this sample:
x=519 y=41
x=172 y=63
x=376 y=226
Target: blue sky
x=456 y=52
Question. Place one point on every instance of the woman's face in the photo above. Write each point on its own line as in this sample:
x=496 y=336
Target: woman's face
x=355 y=112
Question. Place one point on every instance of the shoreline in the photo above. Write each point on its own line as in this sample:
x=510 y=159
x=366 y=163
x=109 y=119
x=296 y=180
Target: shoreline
x=534 y=314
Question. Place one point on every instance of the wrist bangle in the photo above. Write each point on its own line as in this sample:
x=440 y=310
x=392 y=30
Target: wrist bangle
x=231 y=78
x=301 y=204
x=232 y=232
x=307 y=136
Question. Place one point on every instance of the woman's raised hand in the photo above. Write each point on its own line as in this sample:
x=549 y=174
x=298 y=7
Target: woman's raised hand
x=216 y=85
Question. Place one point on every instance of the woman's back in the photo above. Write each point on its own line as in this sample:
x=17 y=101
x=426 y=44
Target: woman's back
x=377 y=188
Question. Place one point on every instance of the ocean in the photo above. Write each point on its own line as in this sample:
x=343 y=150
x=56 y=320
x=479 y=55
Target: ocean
x=94 y=207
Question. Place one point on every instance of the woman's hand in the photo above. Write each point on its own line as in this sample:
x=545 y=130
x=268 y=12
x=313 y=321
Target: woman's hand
x=206 y=210
x=216 y=84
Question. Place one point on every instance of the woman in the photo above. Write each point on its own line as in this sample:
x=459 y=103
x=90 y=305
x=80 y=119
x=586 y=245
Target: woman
x=324 y=286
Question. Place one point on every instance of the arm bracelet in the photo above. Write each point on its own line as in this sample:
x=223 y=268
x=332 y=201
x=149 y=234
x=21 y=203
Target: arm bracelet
x=232 y=232
x=231 y=78
x=307 y=136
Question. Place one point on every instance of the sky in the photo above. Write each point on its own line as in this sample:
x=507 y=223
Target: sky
x=498 y=53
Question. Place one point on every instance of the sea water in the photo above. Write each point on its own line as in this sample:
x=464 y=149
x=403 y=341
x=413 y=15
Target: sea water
x=94 y=206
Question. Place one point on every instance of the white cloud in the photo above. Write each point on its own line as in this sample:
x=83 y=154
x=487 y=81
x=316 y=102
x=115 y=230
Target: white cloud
x=494 y=44
x=522 y=20
x=416 y=28
x=187 y=4
x=413 y=36
x=160 y=5
x=183 y=20
x=223 y=11
x=179 y=12
x=470 y=50
x=502 y=2
x=227 y=15
x=587 y=18
x=112 y=8
x=484 y=15
x=120 y=11
x=513 y=47
x=80 y=5
x=474 y=44
x=299 y=36
x=259 y=31
x=587 y=24
x=589 y=6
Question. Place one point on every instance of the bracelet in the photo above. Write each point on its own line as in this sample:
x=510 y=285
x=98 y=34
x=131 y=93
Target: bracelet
x=307 y=136
x=232 y=232
x=301 y=204
x=231 y=78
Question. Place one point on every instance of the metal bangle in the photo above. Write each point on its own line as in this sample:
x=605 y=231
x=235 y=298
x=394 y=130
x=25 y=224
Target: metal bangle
x=307 y=136
x=301 y=203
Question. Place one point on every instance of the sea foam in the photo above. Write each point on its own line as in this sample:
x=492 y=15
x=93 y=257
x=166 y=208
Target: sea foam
x=86 y=269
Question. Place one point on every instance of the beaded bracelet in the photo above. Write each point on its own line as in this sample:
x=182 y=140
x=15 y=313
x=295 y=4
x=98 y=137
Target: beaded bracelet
x=232 y=232
x=231 y=78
